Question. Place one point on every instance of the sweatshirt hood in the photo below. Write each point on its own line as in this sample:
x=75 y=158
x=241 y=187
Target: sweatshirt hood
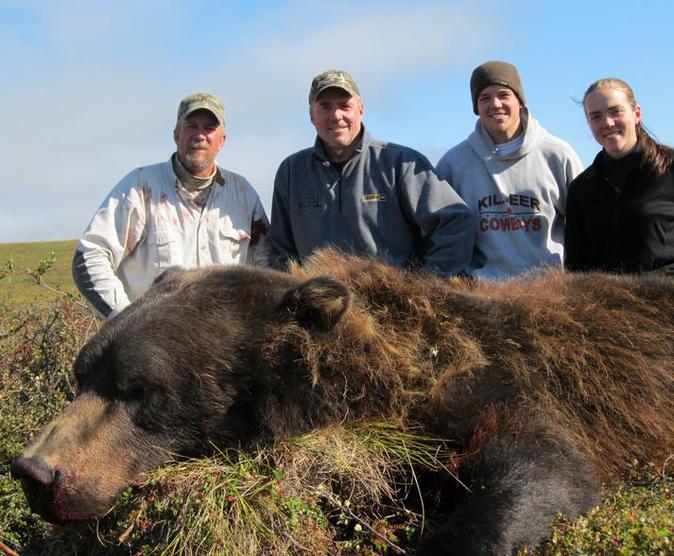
x=484 y=146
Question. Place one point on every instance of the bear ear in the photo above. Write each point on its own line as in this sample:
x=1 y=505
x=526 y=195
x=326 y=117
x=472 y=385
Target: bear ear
x=318 y=303
x=168 y=278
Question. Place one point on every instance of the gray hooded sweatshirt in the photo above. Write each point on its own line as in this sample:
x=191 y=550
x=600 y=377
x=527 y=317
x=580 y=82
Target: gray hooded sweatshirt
x=518 y=199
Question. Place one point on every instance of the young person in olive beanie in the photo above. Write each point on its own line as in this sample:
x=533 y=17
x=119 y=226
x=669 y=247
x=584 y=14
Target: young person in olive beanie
x=513 y=175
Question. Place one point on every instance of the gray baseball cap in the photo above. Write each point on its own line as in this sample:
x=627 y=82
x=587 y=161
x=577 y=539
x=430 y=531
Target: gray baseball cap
x=332 y=78
x=201 y=101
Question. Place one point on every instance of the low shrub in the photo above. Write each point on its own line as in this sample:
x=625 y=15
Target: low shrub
x=37 y=348
x=633 y=519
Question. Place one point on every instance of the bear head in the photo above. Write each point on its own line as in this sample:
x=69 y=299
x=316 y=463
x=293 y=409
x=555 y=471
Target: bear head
x=175 y=373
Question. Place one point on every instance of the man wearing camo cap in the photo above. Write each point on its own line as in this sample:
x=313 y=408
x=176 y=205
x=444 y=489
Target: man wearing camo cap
x=186 y=212
x=363 y=195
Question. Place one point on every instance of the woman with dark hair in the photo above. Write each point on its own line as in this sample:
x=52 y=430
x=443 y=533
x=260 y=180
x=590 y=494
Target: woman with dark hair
x=620 y=210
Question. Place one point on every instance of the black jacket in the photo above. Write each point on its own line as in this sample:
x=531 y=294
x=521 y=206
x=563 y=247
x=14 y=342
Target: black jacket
x=613 y=227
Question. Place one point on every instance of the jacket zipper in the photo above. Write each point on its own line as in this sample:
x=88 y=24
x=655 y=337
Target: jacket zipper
x=339 y=192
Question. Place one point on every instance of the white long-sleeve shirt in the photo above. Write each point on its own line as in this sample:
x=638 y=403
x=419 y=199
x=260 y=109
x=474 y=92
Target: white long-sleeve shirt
x=145 y=226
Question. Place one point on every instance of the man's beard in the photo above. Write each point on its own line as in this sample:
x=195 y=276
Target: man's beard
x=194 y=164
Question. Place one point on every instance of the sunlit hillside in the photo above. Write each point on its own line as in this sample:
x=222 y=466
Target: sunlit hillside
x=17 y=259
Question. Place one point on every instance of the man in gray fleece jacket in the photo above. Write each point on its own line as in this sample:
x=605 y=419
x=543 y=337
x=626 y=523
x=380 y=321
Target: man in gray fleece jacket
x=513 y=175
x=364 y=196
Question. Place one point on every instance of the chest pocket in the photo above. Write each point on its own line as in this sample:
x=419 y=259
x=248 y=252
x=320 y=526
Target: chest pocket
x=233 y=243
x=166 y=246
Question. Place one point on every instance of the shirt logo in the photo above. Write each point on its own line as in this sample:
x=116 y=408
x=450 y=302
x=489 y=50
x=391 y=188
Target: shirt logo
x=309 y=201
x=504 y=213
x=374 y=198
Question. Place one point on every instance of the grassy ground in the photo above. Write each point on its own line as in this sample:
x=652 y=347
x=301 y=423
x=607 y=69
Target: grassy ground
x=18 y=287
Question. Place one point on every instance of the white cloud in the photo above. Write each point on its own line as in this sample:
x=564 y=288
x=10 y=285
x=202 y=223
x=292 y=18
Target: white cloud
x=385 y=46
x=98 y=96
x=382 y=40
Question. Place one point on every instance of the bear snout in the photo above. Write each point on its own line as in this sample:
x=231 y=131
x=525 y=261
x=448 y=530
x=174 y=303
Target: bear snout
x=44 y=487
x=33 y=470
x=72 y=470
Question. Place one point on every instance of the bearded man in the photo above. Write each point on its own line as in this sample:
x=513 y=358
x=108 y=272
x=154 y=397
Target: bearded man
x=185 y=212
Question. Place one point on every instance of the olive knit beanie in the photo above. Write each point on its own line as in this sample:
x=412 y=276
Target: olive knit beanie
x=495 y=73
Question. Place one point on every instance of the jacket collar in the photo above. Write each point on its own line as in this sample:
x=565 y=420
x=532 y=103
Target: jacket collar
x=361 y=144
x=594 y=170
x=219 y=176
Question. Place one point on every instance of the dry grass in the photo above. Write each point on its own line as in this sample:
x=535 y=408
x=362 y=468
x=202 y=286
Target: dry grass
x=339 y=490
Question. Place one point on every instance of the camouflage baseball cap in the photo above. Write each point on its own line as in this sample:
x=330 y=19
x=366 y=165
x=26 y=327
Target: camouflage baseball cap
x=201 y=101
x=332 y=78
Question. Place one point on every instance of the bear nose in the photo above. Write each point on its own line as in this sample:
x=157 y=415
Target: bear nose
x=33 y=470
x=41 y=485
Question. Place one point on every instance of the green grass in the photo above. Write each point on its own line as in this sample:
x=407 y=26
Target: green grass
x=18 y=287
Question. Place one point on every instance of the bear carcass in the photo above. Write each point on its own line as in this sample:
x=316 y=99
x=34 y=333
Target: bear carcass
x=550 y=385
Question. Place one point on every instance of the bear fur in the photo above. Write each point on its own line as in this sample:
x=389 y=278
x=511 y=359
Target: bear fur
x=549 y=385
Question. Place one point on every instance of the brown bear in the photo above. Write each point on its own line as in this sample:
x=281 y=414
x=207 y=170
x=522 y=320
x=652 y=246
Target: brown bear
x=549 y=385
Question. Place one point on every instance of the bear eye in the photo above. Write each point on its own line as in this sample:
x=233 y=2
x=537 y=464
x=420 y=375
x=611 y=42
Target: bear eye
x=137 y=393
x=131 y=391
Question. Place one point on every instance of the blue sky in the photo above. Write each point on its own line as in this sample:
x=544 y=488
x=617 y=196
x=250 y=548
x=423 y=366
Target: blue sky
x=90 y=89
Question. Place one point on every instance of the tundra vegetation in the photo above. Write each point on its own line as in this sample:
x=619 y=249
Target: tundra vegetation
x=339 y=490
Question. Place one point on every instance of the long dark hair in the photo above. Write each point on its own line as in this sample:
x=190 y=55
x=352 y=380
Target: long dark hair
x=658 y=158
